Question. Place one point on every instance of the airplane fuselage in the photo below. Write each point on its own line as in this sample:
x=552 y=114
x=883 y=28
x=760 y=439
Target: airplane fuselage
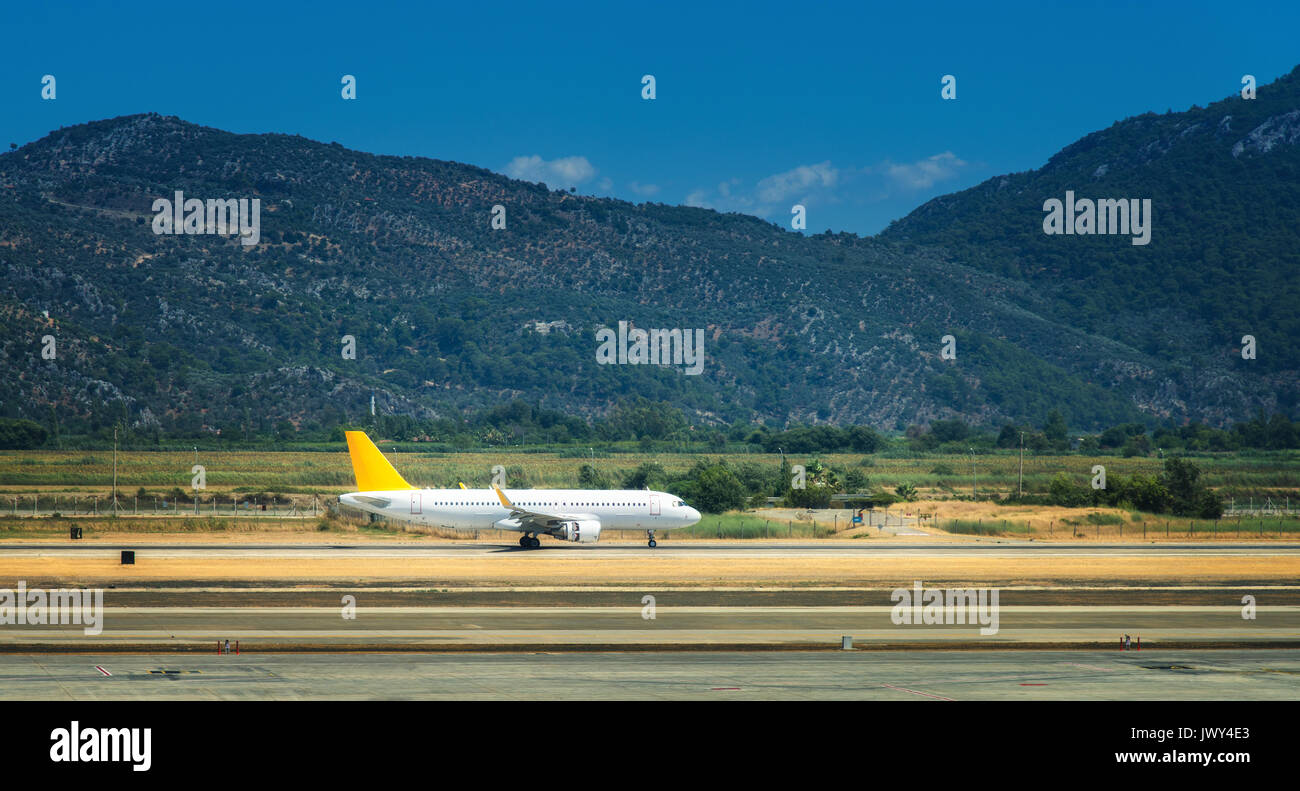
x=480 y=509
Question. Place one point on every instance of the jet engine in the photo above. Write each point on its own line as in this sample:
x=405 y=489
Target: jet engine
x=583 y=531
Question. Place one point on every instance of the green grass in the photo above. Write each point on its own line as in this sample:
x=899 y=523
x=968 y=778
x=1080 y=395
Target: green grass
x=1096 y=519
x=984 y=527
x=750 y=526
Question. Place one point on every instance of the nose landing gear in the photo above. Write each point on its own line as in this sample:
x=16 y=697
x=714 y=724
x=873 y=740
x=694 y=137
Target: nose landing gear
x=651 y=535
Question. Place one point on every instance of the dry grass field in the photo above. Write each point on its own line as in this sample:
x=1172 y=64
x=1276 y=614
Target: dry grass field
x=558 y=567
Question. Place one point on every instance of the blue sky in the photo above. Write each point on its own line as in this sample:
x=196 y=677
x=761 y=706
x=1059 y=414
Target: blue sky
x=759 y=105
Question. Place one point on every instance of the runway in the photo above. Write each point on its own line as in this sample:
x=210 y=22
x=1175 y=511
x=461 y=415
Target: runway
x=885 y=675
x=734 y=595
x=655 y=622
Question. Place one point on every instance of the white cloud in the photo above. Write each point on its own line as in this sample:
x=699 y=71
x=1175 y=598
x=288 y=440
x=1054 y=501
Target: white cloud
x=797 y=182
x=564 y=172
x=698 y=199
x=925 y=173
x=772 y=195
x=644 y=190
x=822 y=184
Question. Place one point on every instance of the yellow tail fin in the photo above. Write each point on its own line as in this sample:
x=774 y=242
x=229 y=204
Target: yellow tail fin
x=372 y=470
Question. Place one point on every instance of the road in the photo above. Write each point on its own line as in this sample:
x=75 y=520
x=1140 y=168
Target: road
x=666 y=626
x=920 y=676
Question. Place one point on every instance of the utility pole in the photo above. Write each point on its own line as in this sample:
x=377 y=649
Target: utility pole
x=974 y=480
x=1022 y=464
x=114 y=472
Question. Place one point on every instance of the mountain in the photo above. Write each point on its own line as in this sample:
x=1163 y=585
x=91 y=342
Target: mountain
x=1223 y=259
x=192 y=333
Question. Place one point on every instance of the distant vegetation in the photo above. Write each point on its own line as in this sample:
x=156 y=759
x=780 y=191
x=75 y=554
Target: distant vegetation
x=1178 y=490
x=639 y=424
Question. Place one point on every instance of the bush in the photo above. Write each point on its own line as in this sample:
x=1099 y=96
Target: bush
x=1063 y=492
x=591 y=478
x=21 y=434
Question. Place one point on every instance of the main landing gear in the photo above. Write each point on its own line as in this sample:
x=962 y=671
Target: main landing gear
x=651 y=534
x=529 y=542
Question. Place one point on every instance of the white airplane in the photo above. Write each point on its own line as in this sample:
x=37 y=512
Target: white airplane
x=567 y=514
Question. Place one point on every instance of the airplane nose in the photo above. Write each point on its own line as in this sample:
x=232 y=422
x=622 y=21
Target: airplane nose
x=692 y=516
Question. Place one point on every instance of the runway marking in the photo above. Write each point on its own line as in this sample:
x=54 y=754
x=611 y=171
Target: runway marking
x=102 y=670
x=916 y=692
x=686 y=589
x=1089 y=667
x=616 y=609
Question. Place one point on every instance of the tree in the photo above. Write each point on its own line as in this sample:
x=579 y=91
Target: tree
x=949 y=430
x=1147 y=493
x=855 y=480
x=719 y=490
x=864 y=440
x=1055 y=429
x=21 y=434
x=1188 y=495
x=1210 y=505
x=649 y=474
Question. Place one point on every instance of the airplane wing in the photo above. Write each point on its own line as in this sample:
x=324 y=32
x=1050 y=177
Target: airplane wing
x=533 y=520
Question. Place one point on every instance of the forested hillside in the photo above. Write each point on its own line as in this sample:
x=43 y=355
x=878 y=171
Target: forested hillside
x=189 y=334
